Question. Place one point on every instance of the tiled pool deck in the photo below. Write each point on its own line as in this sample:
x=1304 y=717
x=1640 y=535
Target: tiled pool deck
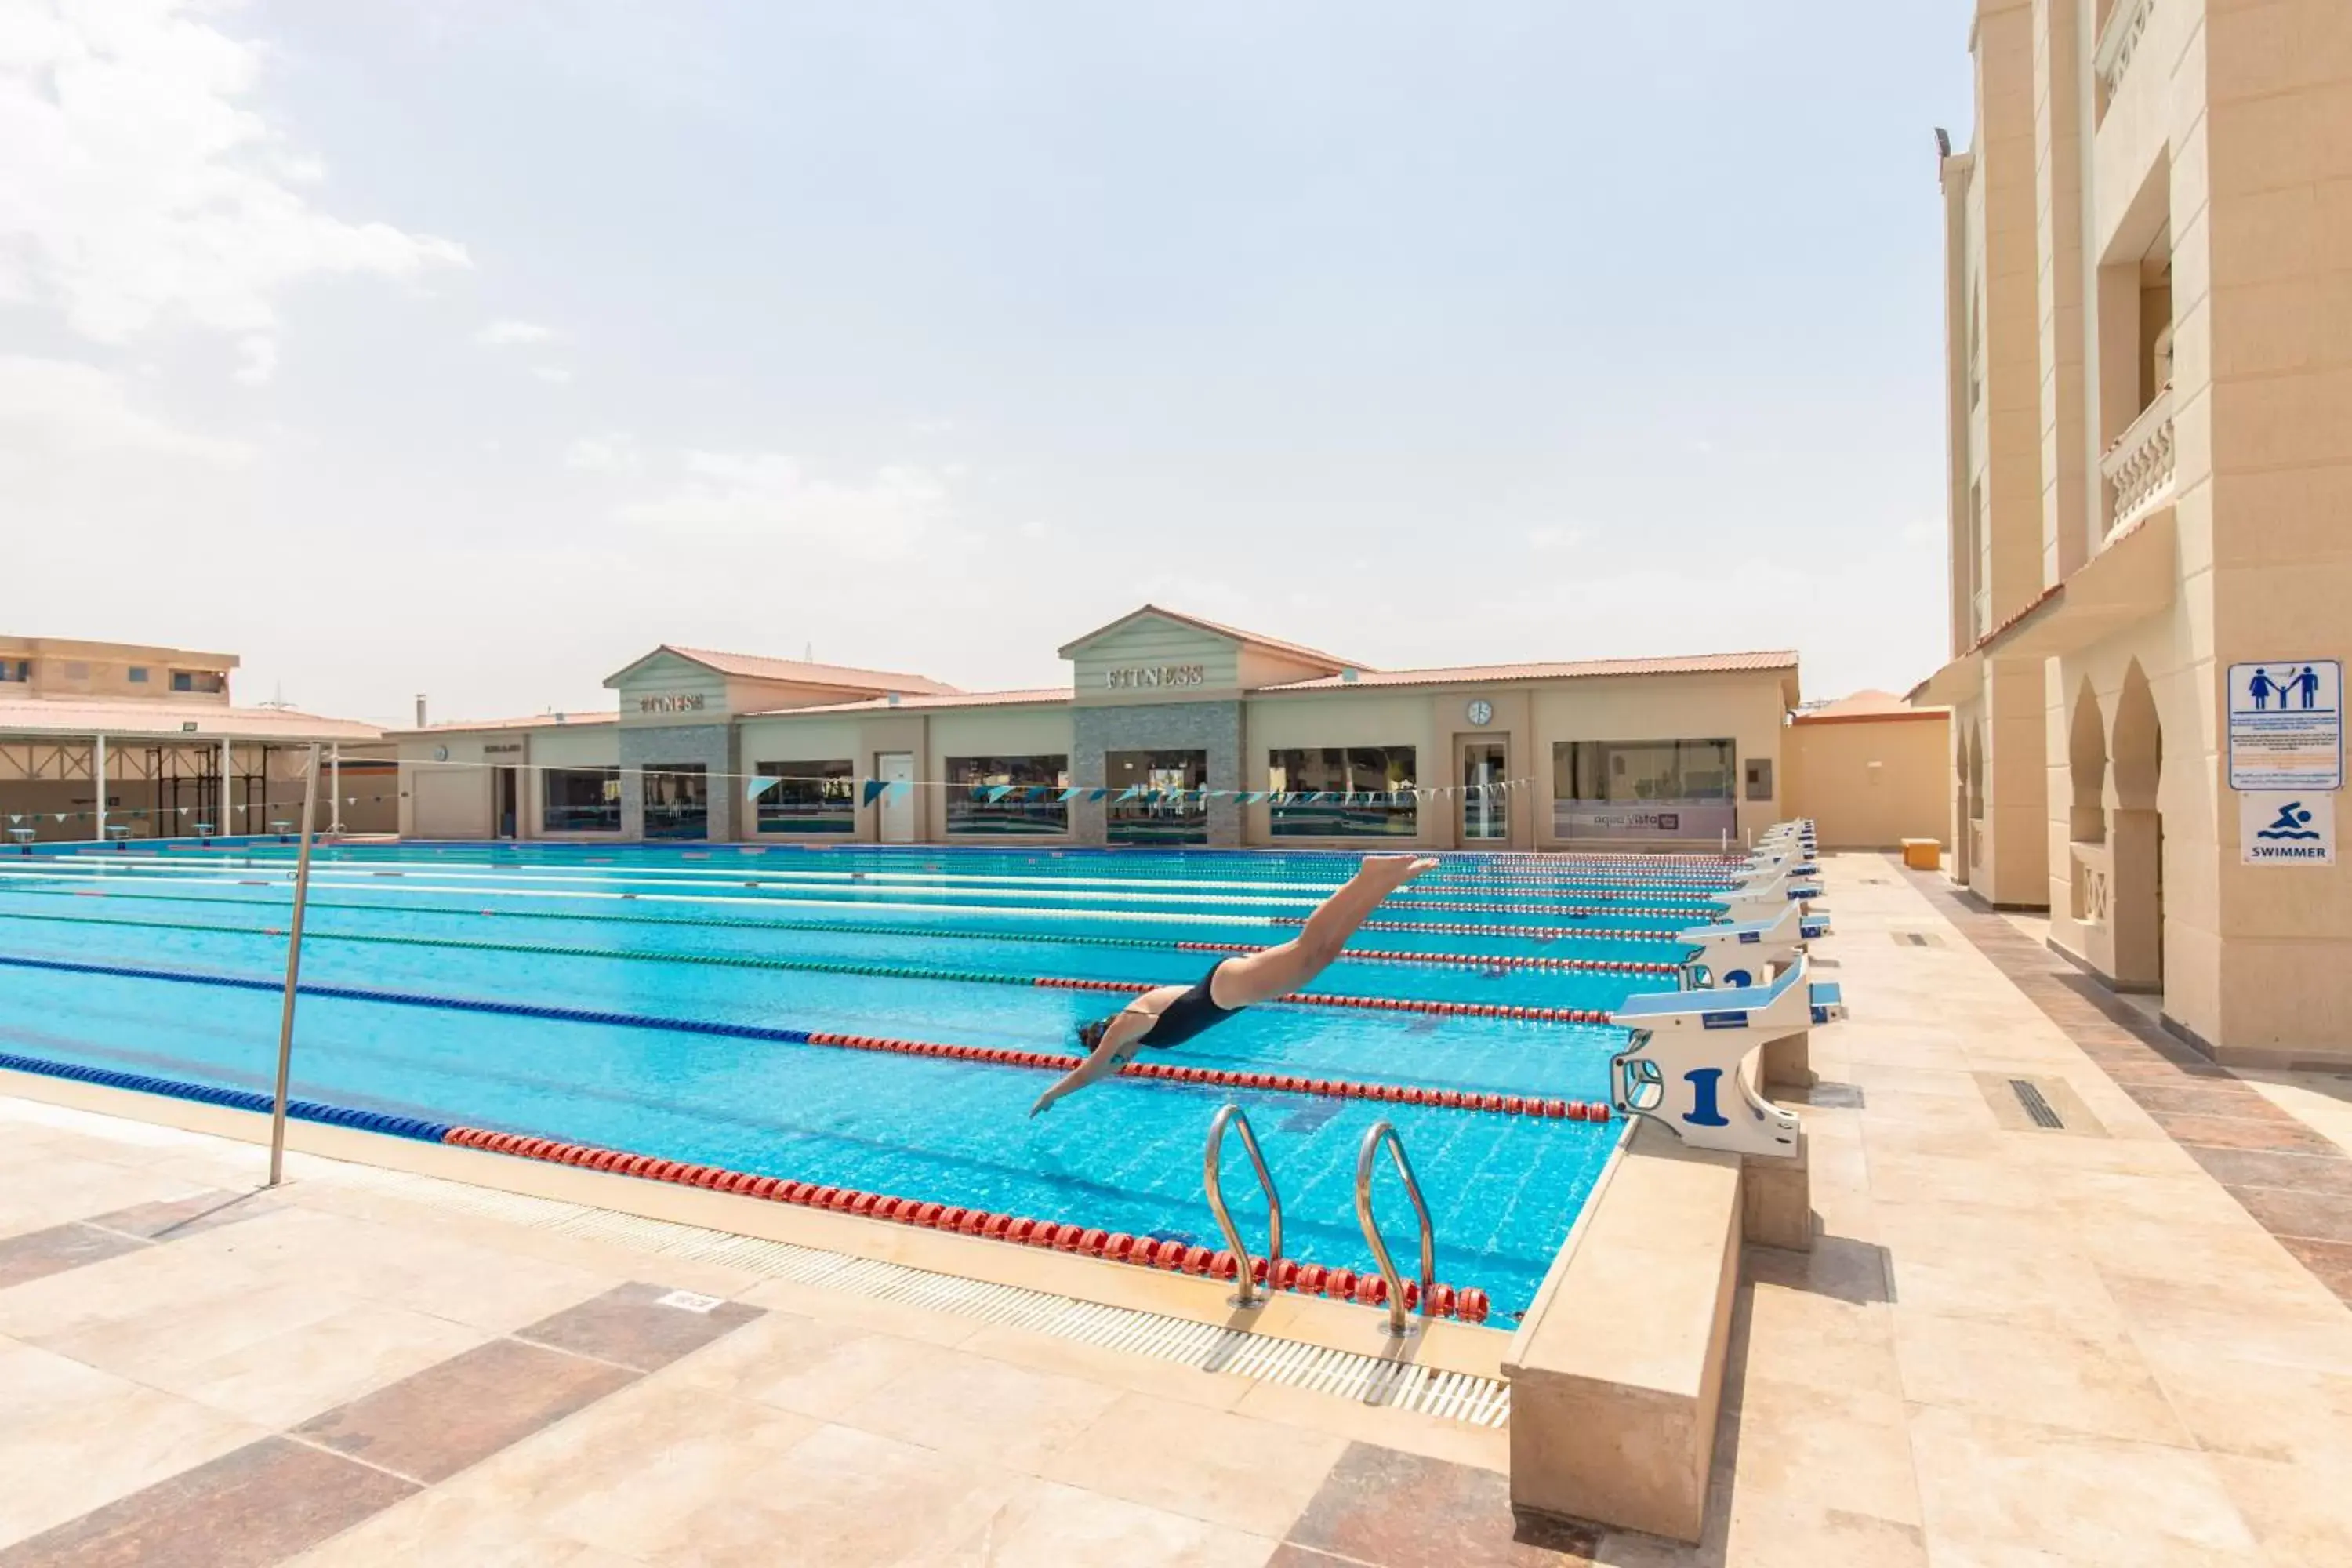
x=2124 y=1345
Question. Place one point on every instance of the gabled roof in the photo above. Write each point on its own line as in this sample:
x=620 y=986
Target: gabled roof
x=1487 y=674
x=921 y=703
x=789 y=671
x=1247 y=639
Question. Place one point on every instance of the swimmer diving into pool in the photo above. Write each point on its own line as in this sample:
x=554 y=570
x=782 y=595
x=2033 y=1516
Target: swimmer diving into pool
x=1174 y=1014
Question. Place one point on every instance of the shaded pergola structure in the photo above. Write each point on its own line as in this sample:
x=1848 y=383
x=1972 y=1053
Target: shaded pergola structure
x=176 y=771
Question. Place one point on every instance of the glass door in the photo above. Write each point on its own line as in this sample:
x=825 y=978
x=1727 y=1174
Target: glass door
x=1485 y=814
x=1170 y=809
x=678 y=803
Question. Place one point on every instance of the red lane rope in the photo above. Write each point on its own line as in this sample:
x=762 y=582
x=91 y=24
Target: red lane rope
x=1467 y=906
x=1227 y=1077
x=1463 y=960
x=1469 y=1306
x=1368 y=1004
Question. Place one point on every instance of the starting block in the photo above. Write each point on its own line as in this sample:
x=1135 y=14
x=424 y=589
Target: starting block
x=1686 y=1065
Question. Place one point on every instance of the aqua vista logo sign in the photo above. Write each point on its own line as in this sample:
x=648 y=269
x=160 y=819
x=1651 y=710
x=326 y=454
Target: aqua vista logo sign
x=1153 y=676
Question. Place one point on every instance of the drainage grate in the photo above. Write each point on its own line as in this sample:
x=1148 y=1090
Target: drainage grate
x=2029 y=1095
x=1367 y=1380
x=1916 y=938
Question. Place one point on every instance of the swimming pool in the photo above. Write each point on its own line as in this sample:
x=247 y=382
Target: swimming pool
x=693 y=1004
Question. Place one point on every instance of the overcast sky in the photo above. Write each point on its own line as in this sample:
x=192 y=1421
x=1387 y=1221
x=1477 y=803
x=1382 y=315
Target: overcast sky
x=473 y=347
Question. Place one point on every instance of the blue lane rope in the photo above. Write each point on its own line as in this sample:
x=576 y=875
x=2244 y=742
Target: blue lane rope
x=414 y=1127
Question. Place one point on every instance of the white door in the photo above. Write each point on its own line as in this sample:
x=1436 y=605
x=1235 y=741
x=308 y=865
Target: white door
x=897 y=769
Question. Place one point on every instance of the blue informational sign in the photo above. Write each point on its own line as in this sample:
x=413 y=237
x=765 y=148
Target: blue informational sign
x=2286 y=724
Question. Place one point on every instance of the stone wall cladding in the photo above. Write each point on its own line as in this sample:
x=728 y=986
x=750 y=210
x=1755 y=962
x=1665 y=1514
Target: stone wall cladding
x=1211 y=727
x=712 y=745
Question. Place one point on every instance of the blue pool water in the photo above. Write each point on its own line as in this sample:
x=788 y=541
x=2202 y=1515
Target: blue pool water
x=727 y=936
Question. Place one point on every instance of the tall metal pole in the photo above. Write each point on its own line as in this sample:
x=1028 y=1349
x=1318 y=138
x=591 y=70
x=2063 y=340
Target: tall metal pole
x=99 y=771
x=293 y=970
x=220 y=825
x=335 y=777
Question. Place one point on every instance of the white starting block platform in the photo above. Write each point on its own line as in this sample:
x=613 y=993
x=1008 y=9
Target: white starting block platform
x=1740 y=952
x=1761 y=900
x=1686 y=1065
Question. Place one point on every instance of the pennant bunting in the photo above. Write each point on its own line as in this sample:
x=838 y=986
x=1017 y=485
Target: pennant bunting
x=754 y=788
x=871 y=792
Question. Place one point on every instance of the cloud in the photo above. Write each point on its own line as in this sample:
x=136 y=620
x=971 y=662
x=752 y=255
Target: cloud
x=898 y=513
x=136 y=190
x=507 y=334
x=554 y=374
x=257 y=360
x=616 y=453
x=55 y=410
x=1553 y=537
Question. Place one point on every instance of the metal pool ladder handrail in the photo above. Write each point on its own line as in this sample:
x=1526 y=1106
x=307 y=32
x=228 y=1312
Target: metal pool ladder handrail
x=1246 y=1292
x=1382 y=1132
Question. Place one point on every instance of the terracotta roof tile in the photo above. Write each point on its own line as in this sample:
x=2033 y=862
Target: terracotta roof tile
x=528 y=721
x=799 y=672
x=169 y=721
x=1276 y=645
x=1481 y=674
x=920 y=702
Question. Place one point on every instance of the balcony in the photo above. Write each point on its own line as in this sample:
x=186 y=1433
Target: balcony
x=2139 y=467
x=2119 y=41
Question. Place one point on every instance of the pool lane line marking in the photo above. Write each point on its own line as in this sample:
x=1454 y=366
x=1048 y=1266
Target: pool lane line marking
x=1669 y=938
x=747 y=961
x=905 y=972
x=1471 y=1306
x=994 y=1056
x=1018 y=911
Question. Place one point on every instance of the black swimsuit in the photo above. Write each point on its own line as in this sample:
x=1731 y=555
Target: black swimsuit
x=1189 y=1014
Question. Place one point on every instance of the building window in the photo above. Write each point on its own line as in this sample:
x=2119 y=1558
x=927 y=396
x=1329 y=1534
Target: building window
x=16 y=669
x=137 y=674
x=812 y=798
x=1643 y=789
x=678 y=800
x=1008 y=794
x=196 y=680
x=1351 y=792
x=580 y=800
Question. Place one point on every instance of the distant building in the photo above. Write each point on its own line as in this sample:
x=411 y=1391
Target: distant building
x=177 y=756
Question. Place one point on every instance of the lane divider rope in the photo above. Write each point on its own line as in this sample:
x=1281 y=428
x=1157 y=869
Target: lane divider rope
x=994 y=1056
x=971 y=976
x=1470 y=1306
x=1539 y=934
x=754 y=960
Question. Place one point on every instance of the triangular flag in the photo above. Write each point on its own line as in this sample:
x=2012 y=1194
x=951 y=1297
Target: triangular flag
x=871 y=792
x=1069 y=794
x=997 y=792
x=754 y=788
x=1130 y=792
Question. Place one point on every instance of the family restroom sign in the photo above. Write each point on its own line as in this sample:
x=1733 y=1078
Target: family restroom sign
x=2286 y=758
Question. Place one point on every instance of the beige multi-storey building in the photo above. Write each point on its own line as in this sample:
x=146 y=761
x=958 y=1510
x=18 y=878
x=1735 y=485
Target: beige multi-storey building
x=2150 y=328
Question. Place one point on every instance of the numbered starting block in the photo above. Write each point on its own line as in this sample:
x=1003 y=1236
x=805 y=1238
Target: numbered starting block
x=1688 y=1067
x=1763 y=900
x=1741 y=953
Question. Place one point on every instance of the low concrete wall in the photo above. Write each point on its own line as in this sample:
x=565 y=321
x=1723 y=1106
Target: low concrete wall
x=1617 y=1371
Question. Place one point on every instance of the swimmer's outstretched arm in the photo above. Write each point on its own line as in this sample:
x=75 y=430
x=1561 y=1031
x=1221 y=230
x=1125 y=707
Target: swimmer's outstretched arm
x=1118 y=1042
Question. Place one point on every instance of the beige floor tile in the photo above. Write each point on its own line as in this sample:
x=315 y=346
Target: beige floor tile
x=1817 y=1338
x=121 y=1289
x=1486 y=1448
x=2082 y=1380
x=2301 y=1514
x=896 y=1317
x=846 y=1498
x=69 y=1187
x=1111 y=1368
x=644 y=1468
x=440 y=1526
x=1990 y=1486
x=1045 y=1525
x=288 y=1376
x=73 y=1437
x=813 y=1367
x=1247 y=1475
x=2015 y=1282
x=2256 y=1410
x=980 y=1409
x=1804 y=1449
